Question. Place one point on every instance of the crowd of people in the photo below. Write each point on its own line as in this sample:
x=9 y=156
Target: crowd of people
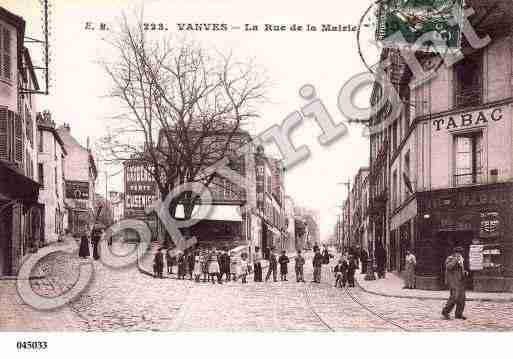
x=202 y=265
x=218 y=266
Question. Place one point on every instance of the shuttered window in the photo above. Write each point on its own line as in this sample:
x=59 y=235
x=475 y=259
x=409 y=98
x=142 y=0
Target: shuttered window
x=5 y=53
x=4 y=135
x=18 y=139
x=29 y=124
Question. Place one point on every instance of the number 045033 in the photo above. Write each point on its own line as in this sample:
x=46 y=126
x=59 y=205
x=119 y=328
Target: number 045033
x=32 y=345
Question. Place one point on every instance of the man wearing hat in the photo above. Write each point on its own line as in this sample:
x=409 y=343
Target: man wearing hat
x=455 y=278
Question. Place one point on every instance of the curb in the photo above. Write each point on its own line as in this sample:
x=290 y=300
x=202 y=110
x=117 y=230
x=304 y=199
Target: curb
x=429 y=298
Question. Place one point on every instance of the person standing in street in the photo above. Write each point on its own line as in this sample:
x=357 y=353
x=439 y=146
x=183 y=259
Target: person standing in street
x=84 y=252
x=284 y=265
x=158 y=264
x=338 y=271
x=364 y=257
x=204 y=265
x=273 y=265
x=298 y=266
x=257 y=265
x=410 y=263
x=351 y=270
x=455 y=278
x=96 y=238
x=169 y=262
x=182 y=266
x=244 y=267
x=381 y=259
x=190 y=263
x=213 y=268
x=317 y=266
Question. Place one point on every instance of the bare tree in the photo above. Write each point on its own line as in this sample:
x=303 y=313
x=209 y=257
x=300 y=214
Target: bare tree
x=183 y=107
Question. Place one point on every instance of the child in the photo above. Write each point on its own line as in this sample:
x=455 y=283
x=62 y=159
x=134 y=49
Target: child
x=204 y=266
x=243 y=267
x=197 y=269
x=339 y=274
x=235 y=270
x=182 y=266
x=213 y=268
x=158 y=264
x=299 y=263
x=169 y=262
x=283 y=260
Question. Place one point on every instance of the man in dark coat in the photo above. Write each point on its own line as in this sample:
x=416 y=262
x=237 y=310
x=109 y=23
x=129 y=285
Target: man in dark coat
x=364 y=257
x=284 y=264
x=158 y=264
x=257 y=265
x=96 y=237
x=299 y=263
x=317 y=265
x=381 y=258
x=273 y=265
x=455 y=278
x=353 y=265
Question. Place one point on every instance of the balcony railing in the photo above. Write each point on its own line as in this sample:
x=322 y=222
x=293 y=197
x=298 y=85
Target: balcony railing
x=468 y=97
x=466 y=179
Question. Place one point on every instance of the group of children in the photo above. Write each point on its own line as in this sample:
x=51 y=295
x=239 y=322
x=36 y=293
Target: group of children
x=345 y=270
x=208 y=265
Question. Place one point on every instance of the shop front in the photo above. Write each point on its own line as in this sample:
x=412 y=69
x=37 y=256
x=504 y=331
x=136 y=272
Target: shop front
x=477 y=218
x=21 y=230
x=219 y=226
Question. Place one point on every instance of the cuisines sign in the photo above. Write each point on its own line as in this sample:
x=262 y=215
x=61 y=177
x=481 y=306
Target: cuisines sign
x=469 y=119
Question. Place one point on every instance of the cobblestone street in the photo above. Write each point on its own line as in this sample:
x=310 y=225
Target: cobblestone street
x=121 y=300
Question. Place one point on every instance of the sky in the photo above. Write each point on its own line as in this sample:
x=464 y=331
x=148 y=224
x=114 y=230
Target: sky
x=291 y=59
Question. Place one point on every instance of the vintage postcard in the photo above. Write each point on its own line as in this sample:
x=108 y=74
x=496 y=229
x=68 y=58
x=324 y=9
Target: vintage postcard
x=241 y=166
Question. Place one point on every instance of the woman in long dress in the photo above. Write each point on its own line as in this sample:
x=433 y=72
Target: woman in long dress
x=83 y=252
x=410 y=264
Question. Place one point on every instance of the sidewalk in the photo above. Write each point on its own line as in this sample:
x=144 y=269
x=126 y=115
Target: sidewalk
x=52 y=276
x=392 y=286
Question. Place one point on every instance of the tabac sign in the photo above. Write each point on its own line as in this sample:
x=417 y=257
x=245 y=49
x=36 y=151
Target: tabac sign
x=469 y=119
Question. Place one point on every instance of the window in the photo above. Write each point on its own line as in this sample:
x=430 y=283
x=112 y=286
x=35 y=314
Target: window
x=29 y=130
x=5 y=54
x=407 y=173
x=41 y=141
x=468 y=151
x=394 y=189
x=468 y=78
x=5 y=138
x=40 y=173
x=18 y=138
x=55 y=177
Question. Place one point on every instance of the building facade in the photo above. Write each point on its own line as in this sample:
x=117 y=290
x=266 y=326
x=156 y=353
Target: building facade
x=50 y=164
x=21 y=229
x=80 y=175
x=448 y=161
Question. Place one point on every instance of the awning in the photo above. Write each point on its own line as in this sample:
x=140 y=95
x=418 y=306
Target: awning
x=212 y=213
x=16 y=186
